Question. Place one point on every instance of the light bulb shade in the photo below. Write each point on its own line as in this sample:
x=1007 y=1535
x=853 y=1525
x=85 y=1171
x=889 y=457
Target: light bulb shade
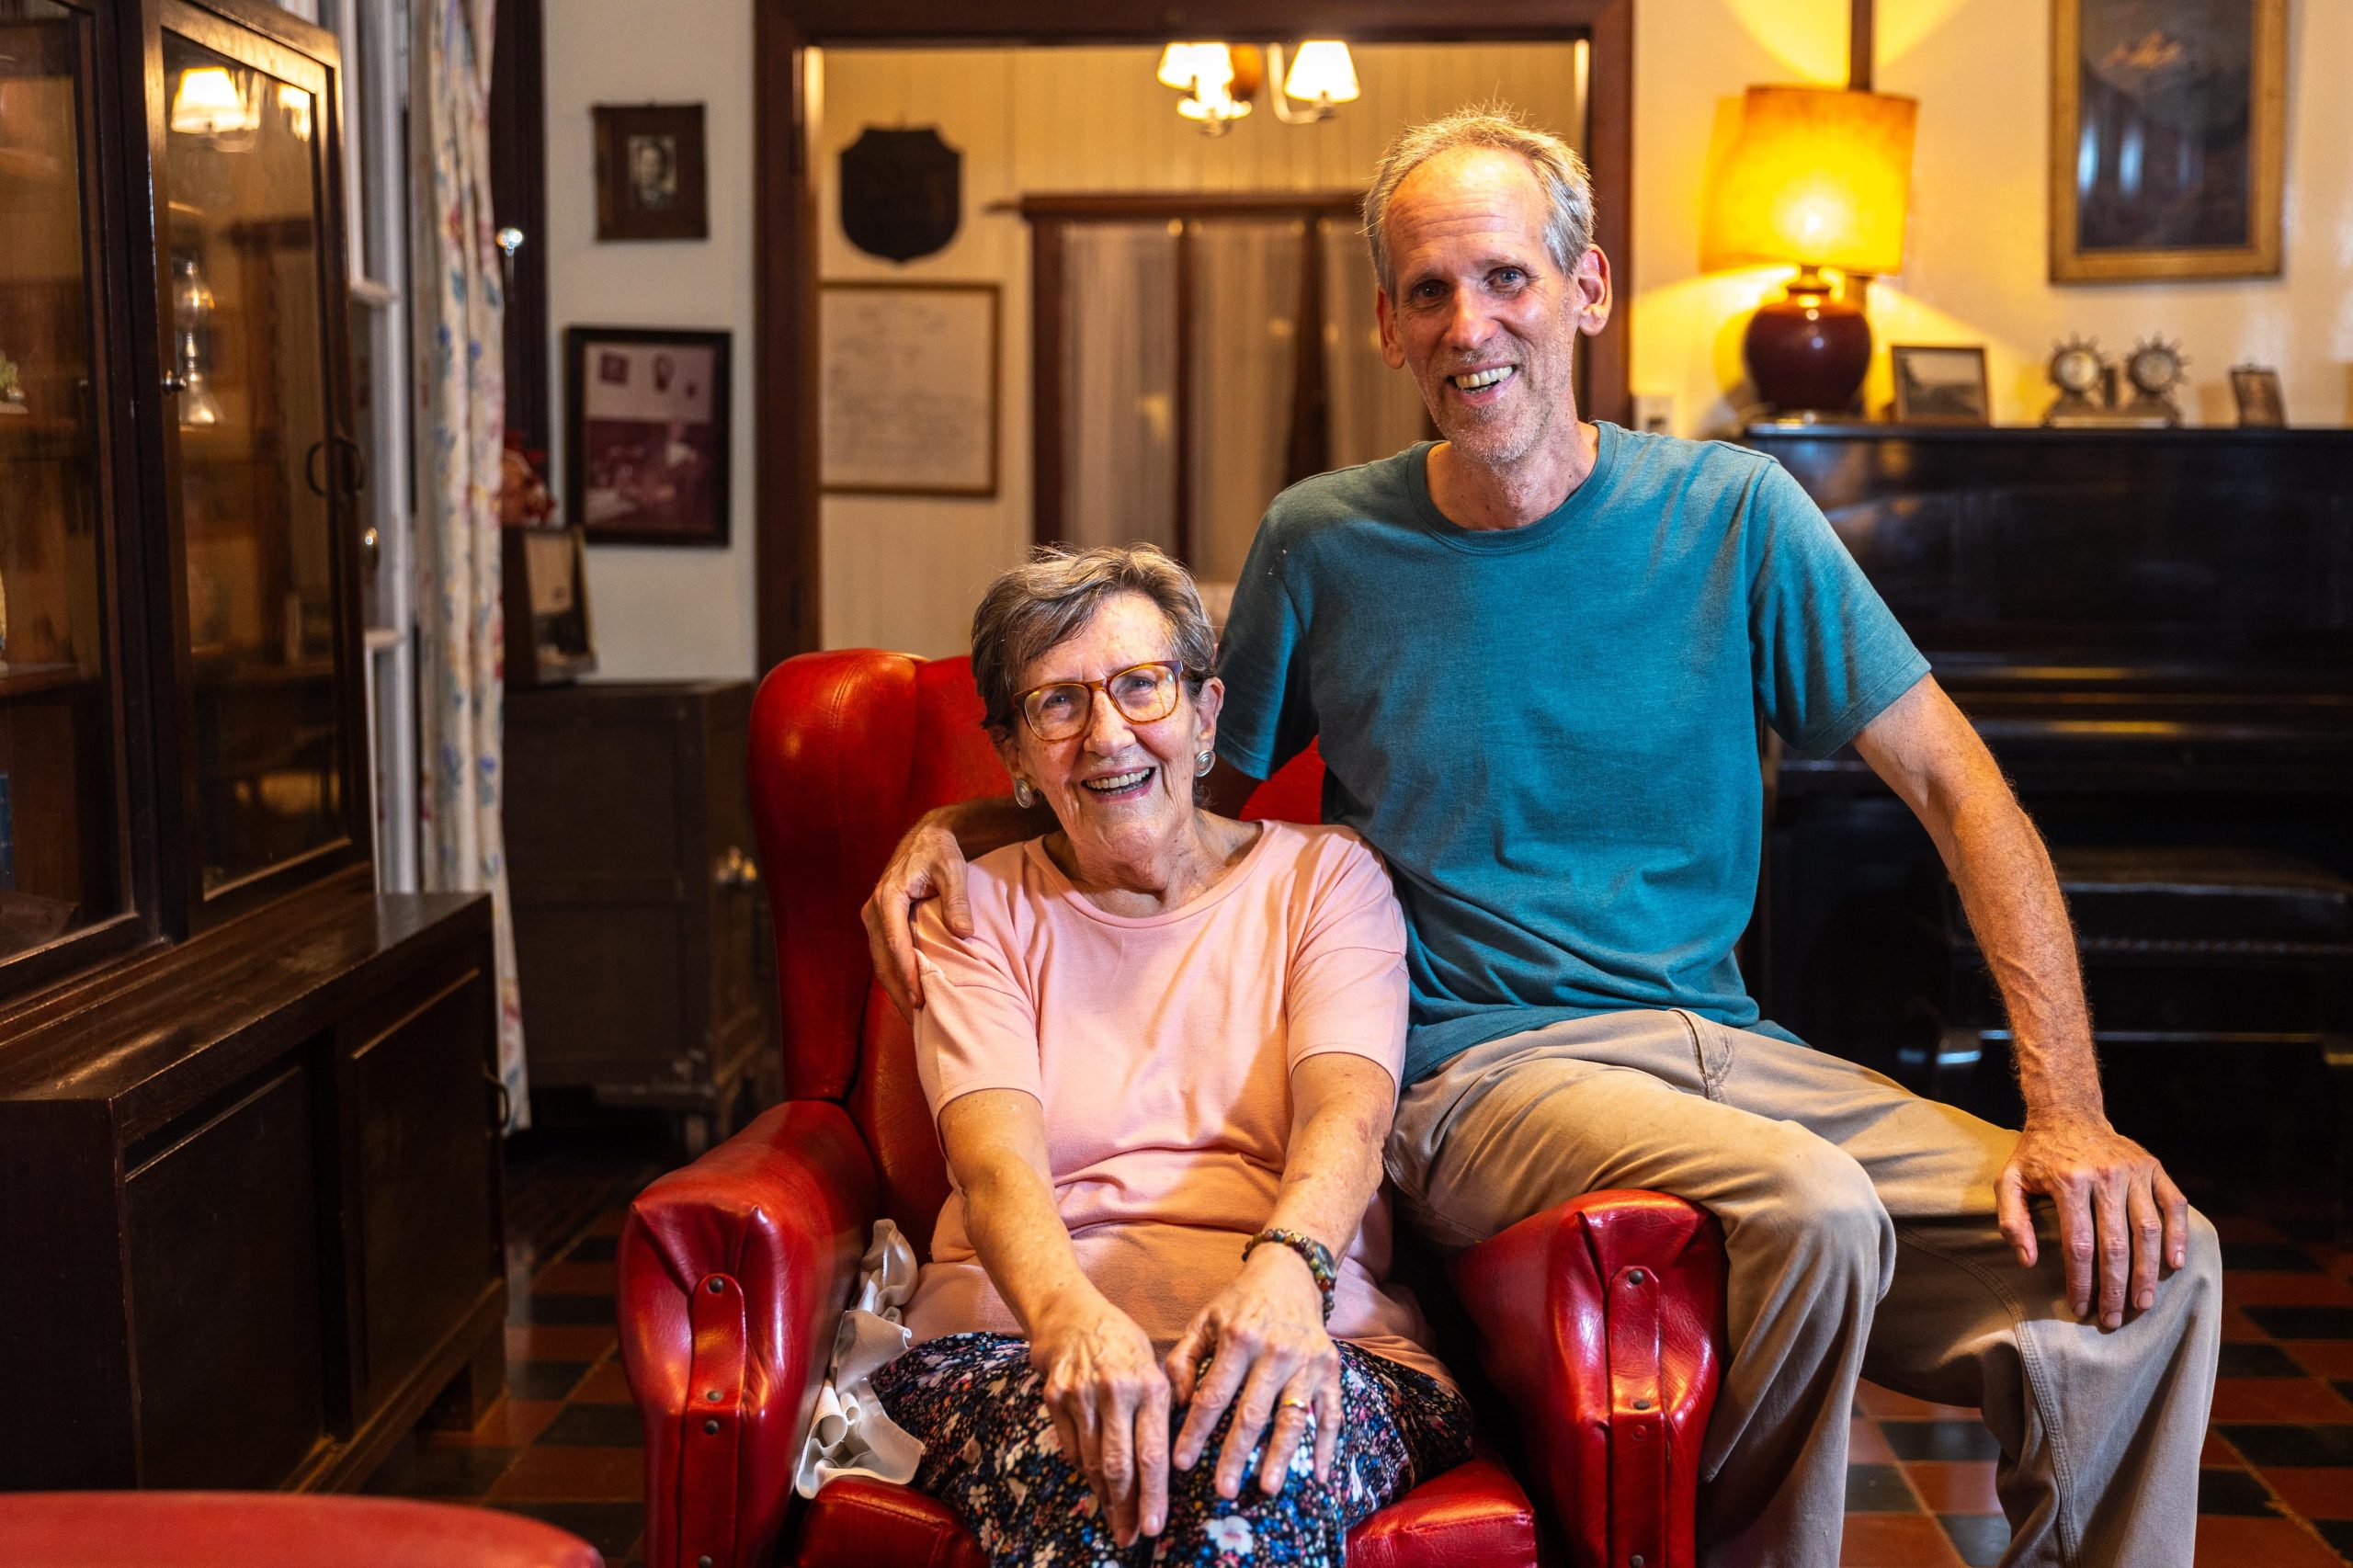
x=1819 y=176
x=1212 y=104
x=208 y=104
x=1322 y=73
x=1176 y=66
x=1204 y=68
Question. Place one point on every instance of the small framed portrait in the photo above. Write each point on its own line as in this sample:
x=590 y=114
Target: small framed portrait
x=2256 y=391
x=646 y=450
x=652 y=183
x=1935 y=384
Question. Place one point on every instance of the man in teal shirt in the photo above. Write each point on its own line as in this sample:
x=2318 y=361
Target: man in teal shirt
x=1536 y=653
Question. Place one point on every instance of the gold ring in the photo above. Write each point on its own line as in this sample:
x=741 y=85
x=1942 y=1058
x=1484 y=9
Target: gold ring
x=1288 y=1403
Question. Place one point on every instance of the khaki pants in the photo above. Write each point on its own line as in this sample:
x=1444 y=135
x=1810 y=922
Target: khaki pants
x=1859 y=1220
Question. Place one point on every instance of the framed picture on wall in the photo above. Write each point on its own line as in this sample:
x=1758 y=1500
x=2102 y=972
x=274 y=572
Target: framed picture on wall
x=2169 y=120
x=1939 y=385
x=646 y=448
x=907 y=377
x=652 y=182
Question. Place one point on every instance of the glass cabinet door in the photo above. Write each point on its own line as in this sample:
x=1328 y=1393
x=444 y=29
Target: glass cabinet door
x=259 y=469
x=61 y=818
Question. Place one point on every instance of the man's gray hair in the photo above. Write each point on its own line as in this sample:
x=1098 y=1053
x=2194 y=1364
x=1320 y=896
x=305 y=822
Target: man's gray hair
x=1036 y=607
x=1567 y=185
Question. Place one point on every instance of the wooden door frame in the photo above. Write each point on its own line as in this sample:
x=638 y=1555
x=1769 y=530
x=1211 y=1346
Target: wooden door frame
x=784 y=352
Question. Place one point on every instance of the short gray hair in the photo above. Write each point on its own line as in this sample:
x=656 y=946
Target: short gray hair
x=1567 y=185
x=1035 y=608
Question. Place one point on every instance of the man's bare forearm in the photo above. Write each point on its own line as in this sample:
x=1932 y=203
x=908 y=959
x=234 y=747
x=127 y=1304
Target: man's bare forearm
x=2015 y=907
x=990 y=823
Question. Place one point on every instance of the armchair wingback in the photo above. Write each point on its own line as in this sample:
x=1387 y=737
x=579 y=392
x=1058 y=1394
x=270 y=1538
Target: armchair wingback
x=1604 y=1317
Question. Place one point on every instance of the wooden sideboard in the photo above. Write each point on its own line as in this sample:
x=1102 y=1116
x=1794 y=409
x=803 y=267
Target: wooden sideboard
x=638 y=909
x=251 y=1217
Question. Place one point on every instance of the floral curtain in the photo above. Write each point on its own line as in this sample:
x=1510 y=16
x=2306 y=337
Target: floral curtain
x=461 y=399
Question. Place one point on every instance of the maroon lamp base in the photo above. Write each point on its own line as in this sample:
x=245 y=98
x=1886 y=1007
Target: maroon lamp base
x=1807 y=351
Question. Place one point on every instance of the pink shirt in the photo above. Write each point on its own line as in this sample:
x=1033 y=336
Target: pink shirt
x=1161 y=1048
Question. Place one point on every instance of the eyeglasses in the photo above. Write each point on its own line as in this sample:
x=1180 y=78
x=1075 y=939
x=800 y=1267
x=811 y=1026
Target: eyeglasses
x=1142 y=693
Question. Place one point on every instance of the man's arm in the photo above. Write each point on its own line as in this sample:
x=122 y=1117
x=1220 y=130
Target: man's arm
x=2117 y=1206
x=929 y=863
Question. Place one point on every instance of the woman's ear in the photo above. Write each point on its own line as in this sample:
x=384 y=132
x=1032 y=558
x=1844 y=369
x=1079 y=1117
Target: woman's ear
x=1008 y=750
x=1208 y=705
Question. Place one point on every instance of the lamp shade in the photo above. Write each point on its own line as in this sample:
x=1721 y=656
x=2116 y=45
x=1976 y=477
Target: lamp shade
x=1322 y=73
x=1819 y=176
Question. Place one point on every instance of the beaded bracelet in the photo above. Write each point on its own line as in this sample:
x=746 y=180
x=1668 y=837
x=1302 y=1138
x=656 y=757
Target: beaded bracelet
x=1315 y=1254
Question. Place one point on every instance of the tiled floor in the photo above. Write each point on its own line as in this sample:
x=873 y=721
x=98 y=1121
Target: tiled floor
x=2277 y=1489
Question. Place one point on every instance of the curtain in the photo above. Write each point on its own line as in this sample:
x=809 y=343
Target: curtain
x=1245 y=329
x=1119 y=385
x=460 y=401
x=1375 y=411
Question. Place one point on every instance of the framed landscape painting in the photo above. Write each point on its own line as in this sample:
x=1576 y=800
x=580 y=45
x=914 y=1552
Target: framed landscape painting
x=2167 y=124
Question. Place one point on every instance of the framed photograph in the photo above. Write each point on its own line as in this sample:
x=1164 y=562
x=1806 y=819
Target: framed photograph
x=652 y=182
x=908 y=379
x=2256 y=391
x=1935 y=384
x=645 y=450
x=2167 y=124
x=544 y=586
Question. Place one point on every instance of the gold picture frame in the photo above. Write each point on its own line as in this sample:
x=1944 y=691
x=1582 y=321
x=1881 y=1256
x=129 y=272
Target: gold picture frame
x=2107 y=59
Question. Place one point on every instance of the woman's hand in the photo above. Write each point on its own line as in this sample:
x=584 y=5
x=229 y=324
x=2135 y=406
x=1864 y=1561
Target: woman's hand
x=1109 y=1403
x=1264 y=1339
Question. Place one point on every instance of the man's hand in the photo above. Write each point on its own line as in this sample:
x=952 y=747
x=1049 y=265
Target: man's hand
x=2119 y=1212
x=1270 y=1358
x=1109 y=1403
x=929 y=863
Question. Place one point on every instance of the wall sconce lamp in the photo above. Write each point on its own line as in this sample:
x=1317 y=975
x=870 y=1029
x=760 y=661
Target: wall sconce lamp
x=1219 y=81
x=1820 y=177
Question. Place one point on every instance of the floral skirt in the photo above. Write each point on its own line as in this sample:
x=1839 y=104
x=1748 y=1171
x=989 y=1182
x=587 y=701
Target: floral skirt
x=992 y=1454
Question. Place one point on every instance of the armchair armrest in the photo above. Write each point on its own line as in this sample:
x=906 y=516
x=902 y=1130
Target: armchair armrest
x=732 y=1274
x=1603 y=1321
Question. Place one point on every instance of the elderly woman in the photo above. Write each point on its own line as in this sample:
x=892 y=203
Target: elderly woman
x=1162 y=1066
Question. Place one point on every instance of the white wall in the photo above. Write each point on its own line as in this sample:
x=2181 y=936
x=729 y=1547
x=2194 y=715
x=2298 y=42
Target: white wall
x=659 y=612
x=1975 y=266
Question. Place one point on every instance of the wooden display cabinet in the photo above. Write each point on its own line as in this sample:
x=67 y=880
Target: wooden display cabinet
x=248 y=1106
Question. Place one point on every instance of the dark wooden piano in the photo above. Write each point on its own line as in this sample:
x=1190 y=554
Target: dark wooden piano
x=2153 y=631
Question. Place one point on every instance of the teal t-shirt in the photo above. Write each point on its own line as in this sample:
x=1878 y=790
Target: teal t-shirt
x=1550 y=732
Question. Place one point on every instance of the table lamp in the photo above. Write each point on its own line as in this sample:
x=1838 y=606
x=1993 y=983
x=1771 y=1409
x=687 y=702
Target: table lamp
x=1820 y=177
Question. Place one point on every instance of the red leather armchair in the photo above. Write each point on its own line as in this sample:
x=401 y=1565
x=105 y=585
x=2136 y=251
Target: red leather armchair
x=1602 y=1319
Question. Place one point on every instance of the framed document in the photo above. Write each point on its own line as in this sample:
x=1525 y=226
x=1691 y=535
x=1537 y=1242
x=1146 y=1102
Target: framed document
x=2167 y=124
x=908 y=373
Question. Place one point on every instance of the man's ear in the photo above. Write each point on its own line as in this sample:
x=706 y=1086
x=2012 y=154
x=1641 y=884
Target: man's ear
x=1393 y=353
x=1589 y=289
